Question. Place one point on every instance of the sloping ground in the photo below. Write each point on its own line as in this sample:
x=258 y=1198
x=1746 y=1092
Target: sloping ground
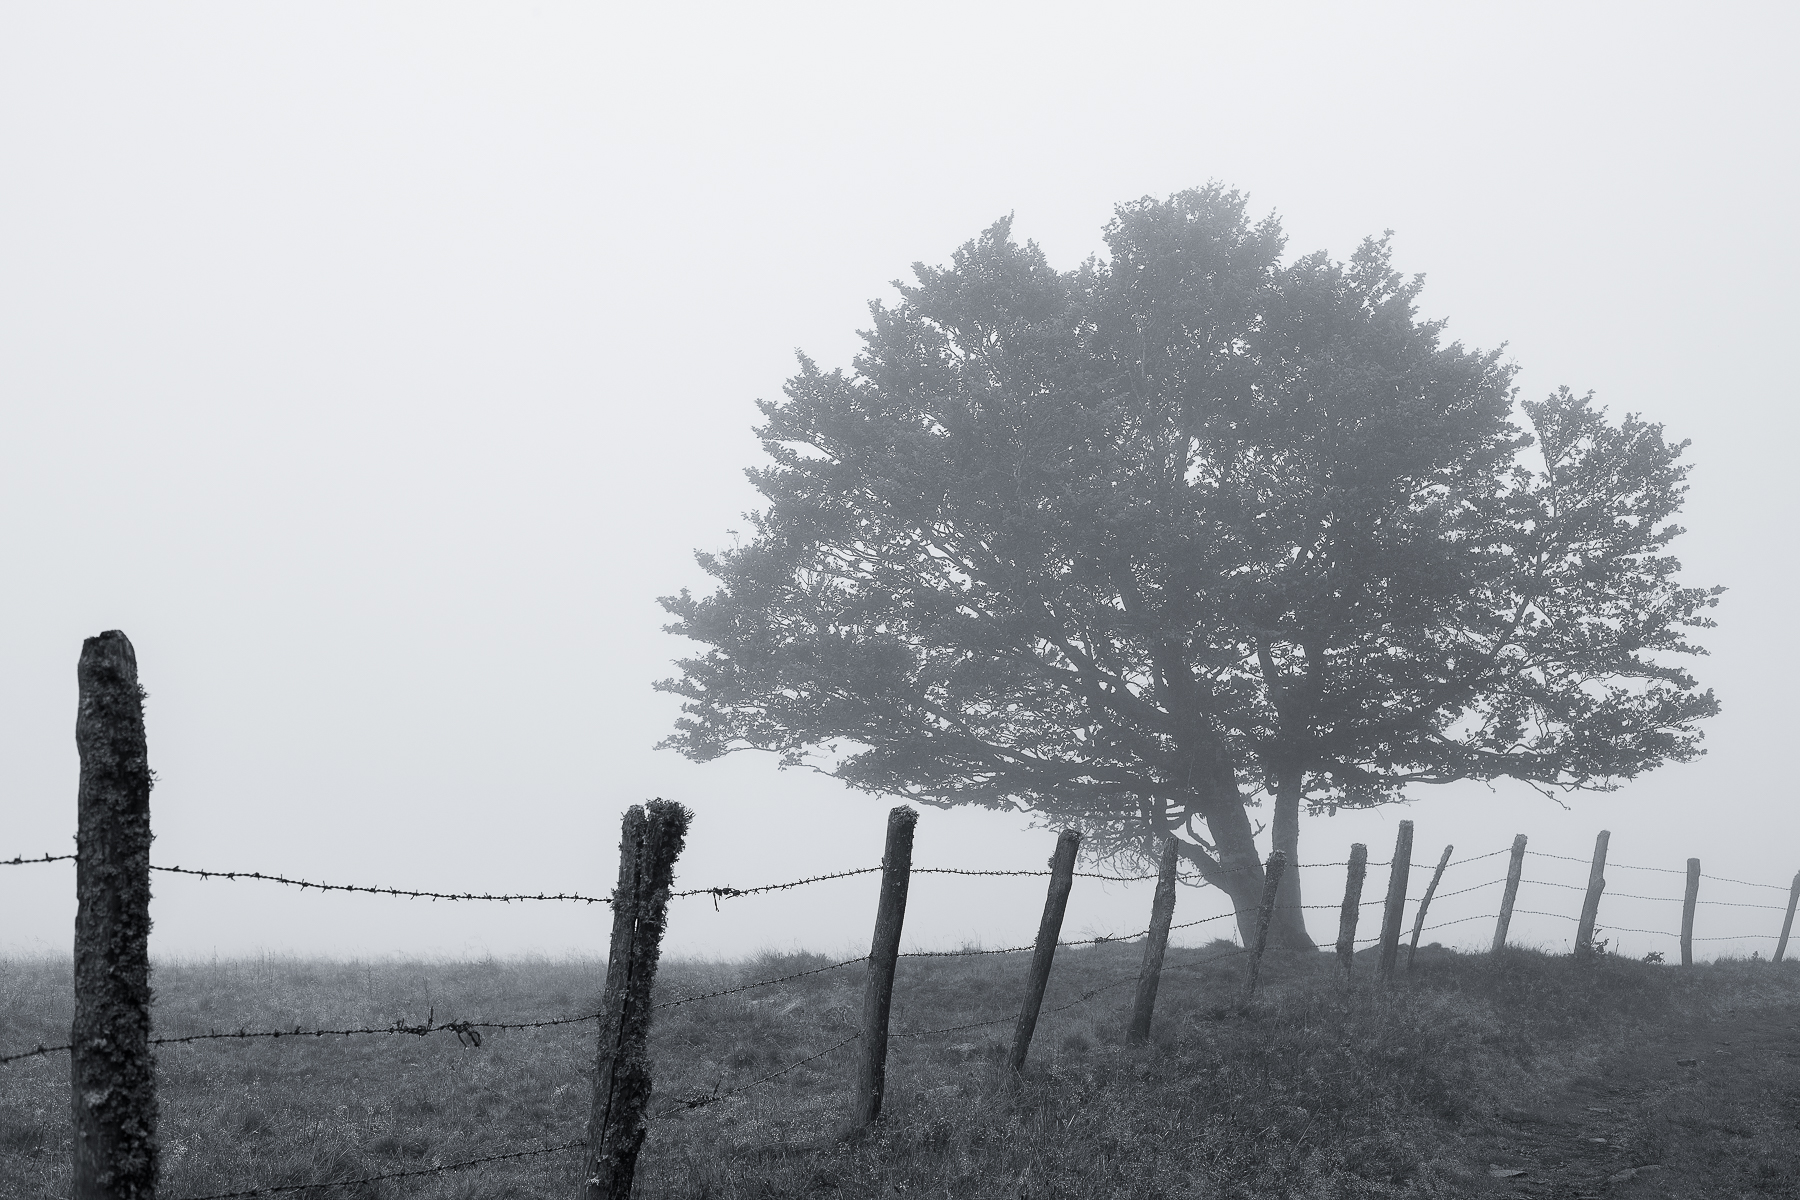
x=1708 y=1106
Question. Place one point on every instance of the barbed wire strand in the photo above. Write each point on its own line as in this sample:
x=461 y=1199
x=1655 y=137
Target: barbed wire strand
x=761 y=983
x=20 y=860
x=276 y=1189
x=409 y=893
x=702 y=1101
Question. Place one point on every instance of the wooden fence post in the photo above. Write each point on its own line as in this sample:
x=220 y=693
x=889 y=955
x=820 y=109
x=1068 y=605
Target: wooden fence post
x=1787 y=923
x=1425 y=903
x=1056 y=901
x=1273 y=870
x=1162 y=912
x=1687 y=912
x=651 y=838
x=1353 y=886
x=111 y=1073
x=1395 y=908
x=884 y=955
x=1513 y=870
x=1590 y=904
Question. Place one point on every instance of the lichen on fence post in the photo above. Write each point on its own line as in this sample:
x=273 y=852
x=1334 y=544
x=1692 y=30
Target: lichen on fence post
x=1395 y=908
x=1273 y=870
x=1412 y=949
x=111 y=1073
x=1514 y=869
x=1056 y=902
x=1688 y=901
x=1787 y=922
x=1353 y=887
x=1156 y=945
x=1590 y=904
x=651 y=839
x=884 y=956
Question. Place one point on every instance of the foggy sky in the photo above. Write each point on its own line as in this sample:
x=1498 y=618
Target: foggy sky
x=376 y=367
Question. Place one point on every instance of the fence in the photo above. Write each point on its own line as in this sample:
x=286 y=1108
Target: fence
x=115 y=1154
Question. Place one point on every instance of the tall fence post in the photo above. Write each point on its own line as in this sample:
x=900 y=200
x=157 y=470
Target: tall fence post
x=1687 y=912
x=1162 y=912
x=1395 y=908
x=1590 y=904
x=1273 y=870
x=1514 y=869
x=1787 y=922
x=1056 y=902
x=1353 y=886
x=650 y=840
x=884 y=956
x=1425 y=903
x=111 y=1073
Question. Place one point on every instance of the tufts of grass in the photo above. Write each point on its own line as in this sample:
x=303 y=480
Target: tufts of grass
x=1320 y=1087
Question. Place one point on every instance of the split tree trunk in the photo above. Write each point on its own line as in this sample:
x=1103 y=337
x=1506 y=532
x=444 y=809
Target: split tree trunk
x=1238 y=872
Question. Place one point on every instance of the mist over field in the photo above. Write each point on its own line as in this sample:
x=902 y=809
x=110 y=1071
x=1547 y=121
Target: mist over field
x=376 y=371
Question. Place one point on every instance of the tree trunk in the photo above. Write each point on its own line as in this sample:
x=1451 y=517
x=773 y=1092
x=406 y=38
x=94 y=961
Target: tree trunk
x=1238 y=872
x=1289 y=926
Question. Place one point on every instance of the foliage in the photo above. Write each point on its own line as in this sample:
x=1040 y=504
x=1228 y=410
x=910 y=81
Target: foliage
x=1135 y=544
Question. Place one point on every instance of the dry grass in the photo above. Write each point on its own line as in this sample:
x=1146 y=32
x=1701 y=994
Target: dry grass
x=1320 y=1089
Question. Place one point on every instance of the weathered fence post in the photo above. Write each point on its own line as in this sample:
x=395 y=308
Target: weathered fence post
x=1395 y=908
x=650 y=840
x=1514 y=869
x=1787 y=922
x=1353 y=886
x=1162 y=912
x=111 y=1074
x=1590 y=904
x=1056 y=902
x=1425 y=903
x=884 y=955
x=1273 y=870
x=1687 y=912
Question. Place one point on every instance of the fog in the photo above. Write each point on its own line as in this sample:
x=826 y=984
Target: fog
x=376 y=368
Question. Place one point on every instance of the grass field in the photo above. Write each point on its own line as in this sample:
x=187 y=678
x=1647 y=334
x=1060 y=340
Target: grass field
x=1572 y=1073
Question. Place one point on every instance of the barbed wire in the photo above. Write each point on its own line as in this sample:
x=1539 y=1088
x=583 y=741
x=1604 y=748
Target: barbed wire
x=1773 y=887
x=276 y=1189
x=20 y=860
x=727 y=893
x=761 y=983
x=409 y=893
x=714 y=1097
x=39 y=1049
x=1478 y=857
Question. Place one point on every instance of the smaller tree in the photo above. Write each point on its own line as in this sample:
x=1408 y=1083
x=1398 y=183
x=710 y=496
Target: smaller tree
x=1144 y=545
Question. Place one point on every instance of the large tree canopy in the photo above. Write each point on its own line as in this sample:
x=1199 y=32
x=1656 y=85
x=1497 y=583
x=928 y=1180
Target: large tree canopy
x=1139 y=545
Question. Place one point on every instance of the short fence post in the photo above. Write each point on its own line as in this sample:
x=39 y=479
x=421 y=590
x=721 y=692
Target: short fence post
x=1787 y=923
x=649 y=843
x=1353 y=886
x=1162 y=912
x=1056 y=902
x=112 y=1074
x=1425 y=903
x=1687 y=912
x=1395 y=908
x=1273 y=870
x=1590 y=904
x=1513 y=870
x=884 y=956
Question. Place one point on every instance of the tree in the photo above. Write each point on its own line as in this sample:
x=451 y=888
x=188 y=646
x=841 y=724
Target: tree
x=1142 y=546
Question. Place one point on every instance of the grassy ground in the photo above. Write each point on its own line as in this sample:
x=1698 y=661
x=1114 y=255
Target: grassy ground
x=1569 y=1074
